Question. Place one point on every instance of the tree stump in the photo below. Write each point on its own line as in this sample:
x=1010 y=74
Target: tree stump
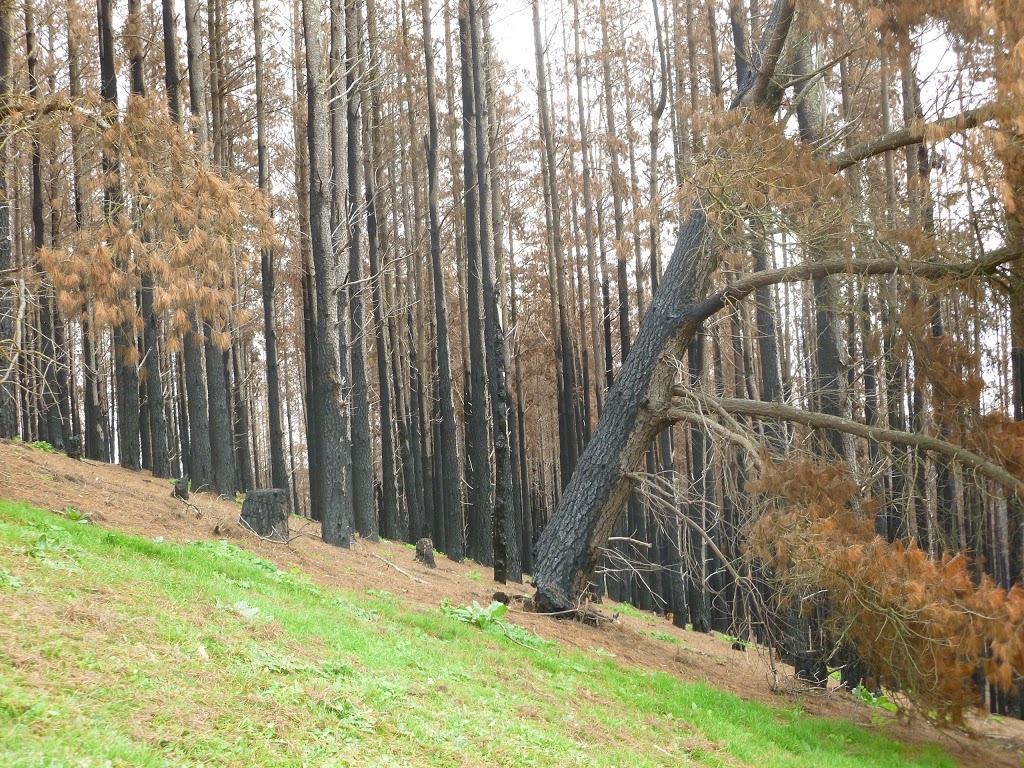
x=73 y=448
x=425 y=552
x=266 y=514
x=180 y=490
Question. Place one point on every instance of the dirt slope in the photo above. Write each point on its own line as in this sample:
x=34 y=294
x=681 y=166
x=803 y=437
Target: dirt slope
x=139 y=504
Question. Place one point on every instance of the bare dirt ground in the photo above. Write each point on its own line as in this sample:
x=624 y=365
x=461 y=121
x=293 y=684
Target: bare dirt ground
x=137 y=503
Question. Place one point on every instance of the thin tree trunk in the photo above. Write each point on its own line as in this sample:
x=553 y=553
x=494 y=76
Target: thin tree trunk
x=200 y=464
x=124 y=352
x=8 y=371
x=362 y=456
x=478 y=518
x=569 y=430
x=450 y=482
x=278 y=468
x=159 y=462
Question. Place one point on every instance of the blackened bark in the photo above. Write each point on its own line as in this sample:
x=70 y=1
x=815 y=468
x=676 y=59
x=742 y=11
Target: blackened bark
x=362 y=458
x=51 y=427
x=447 y=448
x=154 y=439
x=160 y=463
x=129 y=440
x=330 y=459
x=699 y=510
x=8 y=391
x=568 y=426
x=503 y=549
x=478 y=516
x=570 y=545
x=390 y=521
x=278 y=468
x=222 y=452
x=265 y=513
x=389 y=516
x=244 y=479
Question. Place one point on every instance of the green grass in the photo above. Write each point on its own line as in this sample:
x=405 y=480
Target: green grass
x=121 y=651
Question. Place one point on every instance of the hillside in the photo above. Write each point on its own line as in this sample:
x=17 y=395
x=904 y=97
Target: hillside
x=137 y=631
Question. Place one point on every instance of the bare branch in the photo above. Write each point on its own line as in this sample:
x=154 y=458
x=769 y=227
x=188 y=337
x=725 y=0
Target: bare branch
x=780 y=412
x=816 y=270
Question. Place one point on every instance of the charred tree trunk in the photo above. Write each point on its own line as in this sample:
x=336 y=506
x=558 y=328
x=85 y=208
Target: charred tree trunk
x=478 y=538
x=265 y=513
x=8 y=373
x=124 y=352
x=390 y=516
x=362 y=459
x=278 y=468
x=568 y=426
x=330 y=456
x=447 y=450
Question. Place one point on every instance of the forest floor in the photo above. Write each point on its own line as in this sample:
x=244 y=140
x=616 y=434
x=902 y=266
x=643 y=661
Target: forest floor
x=138 y=630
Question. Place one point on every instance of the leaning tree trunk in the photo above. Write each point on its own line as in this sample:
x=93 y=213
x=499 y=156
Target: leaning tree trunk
x=634 y=409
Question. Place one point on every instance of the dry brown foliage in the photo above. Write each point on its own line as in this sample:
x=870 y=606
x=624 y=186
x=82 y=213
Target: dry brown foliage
x=922 y=626
x=187 y=225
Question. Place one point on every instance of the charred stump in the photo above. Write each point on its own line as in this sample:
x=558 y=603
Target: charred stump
x=265 y=513
x=425 y=552
x=180 y=490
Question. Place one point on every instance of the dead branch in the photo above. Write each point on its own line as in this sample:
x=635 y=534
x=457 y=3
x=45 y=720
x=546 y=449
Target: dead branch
x=780 y=412
x=930 y=270
x=635 y=542
x=402 y=571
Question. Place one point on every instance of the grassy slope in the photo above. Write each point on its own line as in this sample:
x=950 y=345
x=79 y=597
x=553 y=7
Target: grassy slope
x=116 y=650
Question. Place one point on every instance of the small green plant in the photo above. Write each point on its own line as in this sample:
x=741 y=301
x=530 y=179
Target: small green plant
x=75 y=516
x=42 y=445
x=50 y=551
x=880 y=700
x=475 y=614
x=663 y=636
x=8 y=580
x=626 y=609
x=491 y=618
x=473 y=575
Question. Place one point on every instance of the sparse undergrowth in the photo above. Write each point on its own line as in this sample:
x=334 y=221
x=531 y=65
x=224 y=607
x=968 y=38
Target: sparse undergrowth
x=121 y=651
